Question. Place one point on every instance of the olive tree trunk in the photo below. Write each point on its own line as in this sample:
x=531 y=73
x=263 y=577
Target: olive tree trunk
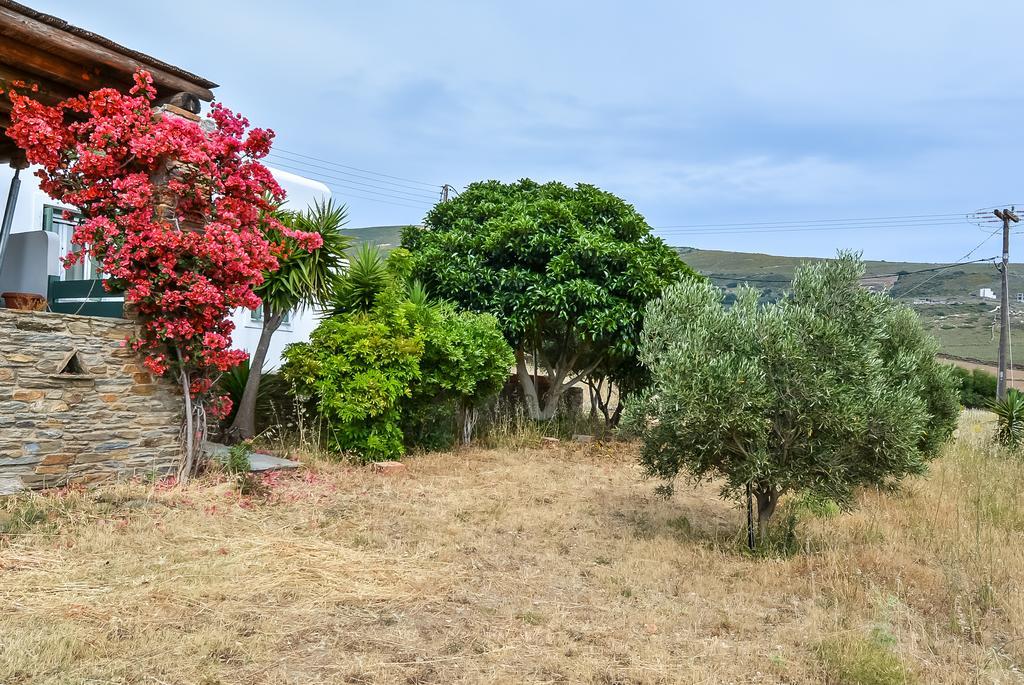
x=767 y=498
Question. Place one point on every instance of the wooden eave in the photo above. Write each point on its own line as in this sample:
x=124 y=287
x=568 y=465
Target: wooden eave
x=64 y=60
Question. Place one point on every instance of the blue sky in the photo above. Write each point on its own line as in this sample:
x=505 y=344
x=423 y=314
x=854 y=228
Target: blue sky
x=697 y=114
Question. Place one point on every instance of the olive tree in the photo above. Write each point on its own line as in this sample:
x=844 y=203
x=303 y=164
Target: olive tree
x=828 y=389
x=566 y=271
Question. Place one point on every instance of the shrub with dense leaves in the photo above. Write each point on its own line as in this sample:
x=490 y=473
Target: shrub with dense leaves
x=830 y=389
x=466 y=362
x=1009 y=413
x=977 y=387
x=354 y=372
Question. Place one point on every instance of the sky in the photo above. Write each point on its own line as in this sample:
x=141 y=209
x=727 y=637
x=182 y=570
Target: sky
x=721 y=122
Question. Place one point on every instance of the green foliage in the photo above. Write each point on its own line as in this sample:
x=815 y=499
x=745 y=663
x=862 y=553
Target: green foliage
x=465 y=364
x=237 y=461
x=393 y=367
x=566 y=271
x=306 y=278
x=367 y=277
x=1009 y=419
x=977 y=387
x=20 y=514
x=822 y=392
x=354 y=371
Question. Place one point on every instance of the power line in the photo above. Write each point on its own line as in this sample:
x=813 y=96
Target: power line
x=390 y=185
x=957 y=263
x=864 y=277
x=819 y=221
x=353 y=168
x=356 y=185
x=347 y=193
x=769 y=231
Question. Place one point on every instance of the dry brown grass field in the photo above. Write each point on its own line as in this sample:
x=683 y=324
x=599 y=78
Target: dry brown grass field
x=513 y=566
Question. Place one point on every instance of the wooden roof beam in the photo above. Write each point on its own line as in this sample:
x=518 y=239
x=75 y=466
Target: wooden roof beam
x=58 y=42
x=22 y=57
x=48 y=92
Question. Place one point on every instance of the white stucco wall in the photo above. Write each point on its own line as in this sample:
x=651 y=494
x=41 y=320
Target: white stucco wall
x=301 y=192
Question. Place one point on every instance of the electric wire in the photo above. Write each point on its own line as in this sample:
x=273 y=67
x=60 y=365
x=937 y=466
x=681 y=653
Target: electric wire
x=356 y=185
x=378 y=183
x=865 y=277
x=793 y=222
x=957 y=263
x=353 y=168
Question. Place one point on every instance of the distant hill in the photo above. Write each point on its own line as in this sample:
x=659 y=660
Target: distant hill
x=946 y=299
x=385 y=237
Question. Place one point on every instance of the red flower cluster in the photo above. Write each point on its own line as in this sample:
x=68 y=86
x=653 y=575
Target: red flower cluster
x=176 y=215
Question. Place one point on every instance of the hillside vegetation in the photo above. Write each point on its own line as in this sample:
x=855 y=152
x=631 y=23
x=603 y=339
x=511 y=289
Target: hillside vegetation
x=947 y=300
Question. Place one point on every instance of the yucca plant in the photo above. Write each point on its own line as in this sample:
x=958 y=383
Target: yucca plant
x=1010 y=419
x=303 y=279
x=366 y=277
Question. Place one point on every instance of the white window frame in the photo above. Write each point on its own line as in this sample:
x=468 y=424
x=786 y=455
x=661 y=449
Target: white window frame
x=255 y=319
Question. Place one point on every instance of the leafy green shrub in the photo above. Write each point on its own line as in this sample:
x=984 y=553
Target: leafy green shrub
x=977 y=387
x=822 y=392
x=1010 y=419
x=465 y=363
x=354 y=371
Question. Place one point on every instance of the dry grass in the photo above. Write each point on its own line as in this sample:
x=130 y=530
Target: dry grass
x=511 y=566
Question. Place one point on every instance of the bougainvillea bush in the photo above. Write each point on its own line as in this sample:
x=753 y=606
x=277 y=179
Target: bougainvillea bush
x=175 y=215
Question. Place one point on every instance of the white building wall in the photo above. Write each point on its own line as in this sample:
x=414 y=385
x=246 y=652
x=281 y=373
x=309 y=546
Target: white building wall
x=301 y=192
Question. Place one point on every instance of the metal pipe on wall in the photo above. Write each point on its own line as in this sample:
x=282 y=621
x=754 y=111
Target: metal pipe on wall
x=8 y=219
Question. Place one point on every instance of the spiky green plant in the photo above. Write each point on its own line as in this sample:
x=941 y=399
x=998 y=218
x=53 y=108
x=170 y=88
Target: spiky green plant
x=366 y=277
x=1010 y=419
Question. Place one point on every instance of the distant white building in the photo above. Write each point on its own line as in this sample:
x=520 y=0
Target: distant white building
x=1020 y=297
x=987 y=294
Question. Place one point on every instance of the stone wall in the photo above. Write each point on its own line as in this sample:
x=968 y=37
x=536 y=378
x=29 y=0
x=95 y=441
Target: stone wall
x=76 y=406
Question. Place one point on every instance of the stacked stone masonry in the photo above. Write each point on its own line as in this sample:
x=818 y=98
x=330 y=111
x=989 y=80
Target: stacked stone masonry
x=77 y=406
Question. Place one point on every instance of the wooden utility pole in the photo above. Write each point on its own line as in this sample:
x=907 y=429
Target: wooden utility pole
x=1007 y=216
x=444 y=192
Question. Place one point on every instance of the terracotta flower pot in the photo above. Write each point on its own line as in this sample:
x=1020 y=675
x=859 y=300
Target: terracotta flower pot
x=25 y=301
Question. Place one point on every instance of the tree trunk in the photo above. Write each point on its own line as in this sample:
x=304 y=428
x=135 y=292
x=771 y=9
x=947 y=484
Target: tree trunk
x=617 y=415
x=767 y=498
x=467 y=422
x=244 y=425
x=188 y=443
x=594 y=389
x=528 y=386
x=557 y=384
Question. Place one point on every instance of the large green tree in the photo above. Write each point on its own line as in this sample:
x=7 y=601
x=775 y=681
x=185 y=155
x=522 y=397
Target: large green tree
x=305 y=278
x=829 y=389
x=565 y=270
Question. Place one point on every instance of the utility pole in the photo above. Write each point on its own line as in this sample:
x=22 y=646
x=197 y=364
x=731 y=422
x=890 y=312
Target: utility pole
x=1007 y=216
x=444 y=192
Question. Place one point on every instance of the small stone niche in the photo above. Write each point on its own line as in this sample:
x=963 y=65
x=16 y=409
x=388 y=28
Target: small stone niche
x=70 y=366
